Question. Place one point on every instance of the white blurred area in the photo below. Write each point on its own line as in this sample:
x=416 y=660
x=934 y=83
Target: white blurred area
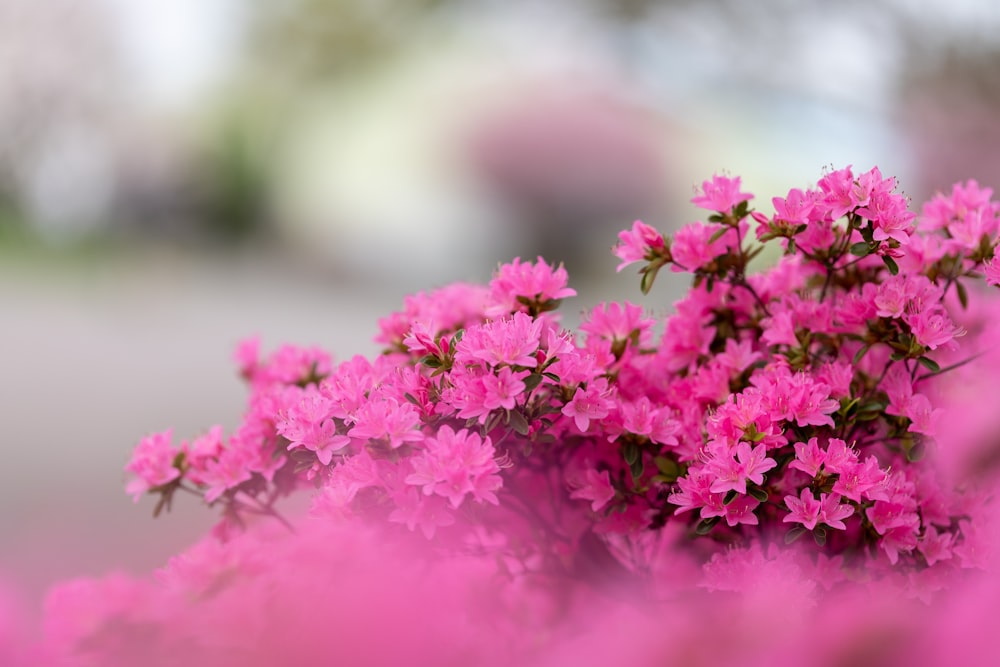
x=177 y=174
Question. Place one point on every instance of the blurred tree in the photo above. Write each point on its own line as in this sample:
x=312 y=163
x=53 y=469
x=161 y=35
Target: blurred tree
x=57 y=124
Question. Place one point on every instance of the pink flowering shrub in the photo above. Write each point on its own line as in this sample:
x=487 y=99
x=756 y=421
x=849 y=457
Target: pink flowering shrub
x=799 y=437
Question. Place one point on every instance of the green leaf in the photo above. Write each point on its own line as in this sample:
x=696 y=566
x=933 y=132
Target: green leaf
x=758 y=493
x=430 y=361
x=848 y=404
x=159 y=506
x=532 y=381
x=491 y=422
x=915 y=450
x=648 y=276
x=631 y=452
x=636 y=468
x=730 y=496
x=819 y=535
x=705 y=526
x=861 y=249
x=718 y=234
x=794 y=534
x=518 y=422
x=859 y=354
x=890 y=264
x=870 y=411
x=411 y=398
x=929 y=364
x=667 y=467
x=963 y=295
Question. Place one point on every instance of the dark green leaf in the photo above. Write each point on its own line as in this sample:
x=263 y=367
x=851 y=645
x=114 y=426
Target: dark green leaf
x=718 y=234
x=430 y=361
x=631 y=452
x=668 y=467
x=636 y=468
x=819 y=535
x=518 y=422
x=794 y=534
x=930 y=364
x=847 y=404
x=890 y=264
x=859 y=354
x=160 y=504
x=860 y=249
x=730 y=496
x=705 y=526
x=758 y=493
x=963 y=295
x=870 y=411
x=491 y=421
x=532 y=381
x=411 y=398
x=915 y=450
x=648 y=276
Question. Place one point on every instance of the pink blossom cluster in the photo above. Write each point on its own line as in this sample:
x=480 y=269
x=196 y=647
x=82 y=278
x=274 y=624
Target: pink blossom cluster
x=811 y=398
x=793 y=400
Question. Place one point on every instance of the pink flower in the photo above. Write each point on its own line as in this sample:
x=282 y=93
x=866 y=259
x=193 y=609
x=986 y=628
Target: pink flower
x=641 y=243
x=597 y=489
x=454 y=465
x=860 y=481
x=933 y=328
x=518 y=284
x=511 y=340
x=839 y=456
x=838 y=192
x=389 y=421
x=922 y=415
x=227 y=472
x=734 y=473
x=738 y=355
x=832 y=512
x=793 y=209
x=693 y=246
x=720 y=194
x=247 y=356
x=619 y=323
x=804 y=509
x=503 y=389
x=418 y=511
x=153 y=464
x=992 y=270
x=935 y=547
x=641 y=418
x=694 y=490
x=808 y=457
x=590 y=402
x=739 y=511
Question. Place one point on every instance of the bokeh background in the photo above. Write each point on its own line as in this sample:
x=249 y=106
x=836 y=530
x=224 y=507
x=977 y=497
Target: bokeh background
x=178 y=174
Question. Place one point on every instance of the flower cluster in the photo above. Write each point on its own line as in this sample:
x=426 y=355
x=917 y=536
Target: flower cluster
x=815 y=396
x=799 y=399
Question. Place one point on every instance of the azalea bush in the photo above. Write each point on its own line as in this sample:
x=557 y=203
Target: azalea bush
x=808 y=439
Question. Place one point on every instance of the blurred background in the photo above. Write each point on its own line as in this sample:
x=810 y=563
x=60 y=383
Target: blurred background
x=178 y=174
